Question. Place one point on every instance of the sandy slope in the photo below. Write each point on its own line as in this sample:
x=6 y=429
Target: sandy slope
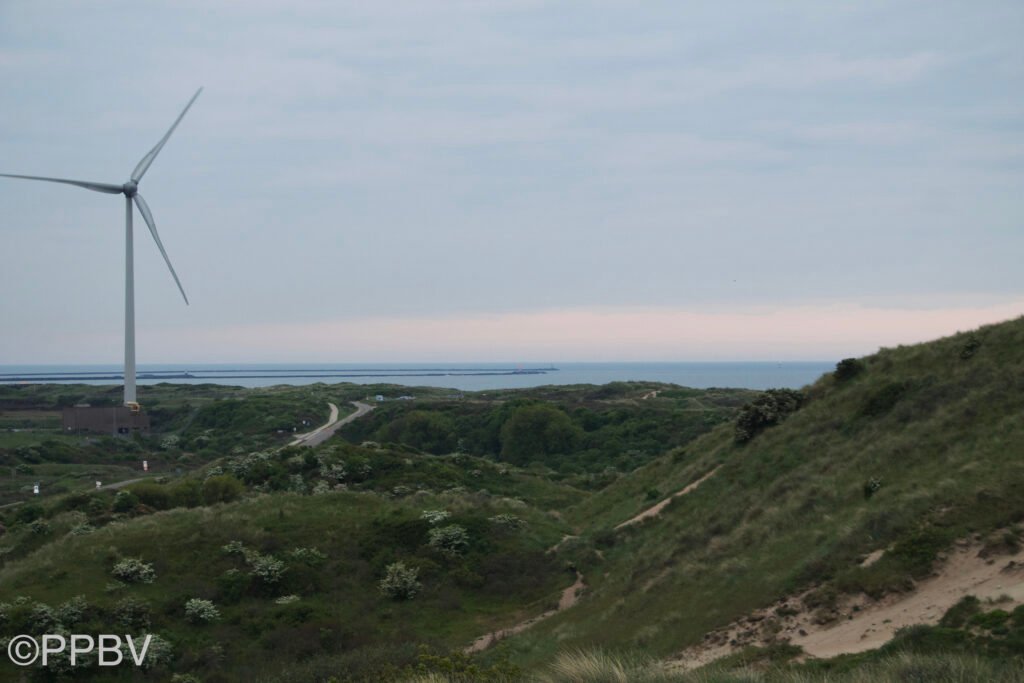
x=861 y=624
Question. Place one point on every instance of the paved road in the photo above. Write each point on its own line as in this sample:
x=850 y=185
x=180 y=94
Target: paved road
x=326 y=431
x=313 y=438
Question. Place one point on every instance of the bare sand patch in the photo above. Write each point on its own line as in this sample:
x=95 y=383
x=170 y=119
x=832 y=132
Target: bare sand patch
x=859 y=623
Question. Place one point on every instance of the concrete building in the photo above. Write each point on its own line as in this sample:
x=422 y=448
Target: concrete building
x=104 y=420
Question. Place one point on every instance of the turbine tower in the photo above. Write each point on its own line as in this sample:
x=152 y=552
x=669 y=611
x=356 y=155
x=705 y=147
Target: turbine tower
x=130 y=190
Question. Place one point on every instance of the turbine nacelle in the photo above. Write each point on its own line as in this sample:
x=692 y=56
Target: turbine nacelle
x=130 y=189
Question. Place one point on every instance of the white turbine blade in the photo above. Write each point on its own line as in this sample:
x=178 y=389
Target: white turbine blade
x=148 y=217
x=95 y=187
x=143 y=166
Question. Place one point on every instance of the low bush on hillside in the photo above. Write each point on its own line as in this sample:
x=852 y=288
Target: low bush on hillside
x=970 y=347
x=767 y=410
x=847 y=369
x=134 y=570
x=400 y=582
x=200 y=611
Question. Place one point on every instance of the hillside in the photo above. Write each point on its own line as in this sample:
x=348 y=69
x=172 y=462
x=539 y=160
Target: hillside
x=919 y=447
x=458 y=496
x=741 y=529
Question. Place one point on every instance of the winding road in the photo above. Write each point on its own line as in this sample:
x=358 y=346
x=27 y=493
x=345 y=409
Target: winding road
x=333 y=424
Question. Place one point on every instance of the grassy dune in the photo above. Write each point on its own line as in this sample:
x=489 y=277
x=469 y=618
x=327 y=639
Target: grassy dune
x=938 y=425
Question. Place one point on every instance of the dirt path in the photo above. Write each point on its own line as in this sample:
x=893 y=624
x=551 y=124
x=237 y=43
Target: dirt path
x=568 y=598
x=655 y=510
x=860 y=624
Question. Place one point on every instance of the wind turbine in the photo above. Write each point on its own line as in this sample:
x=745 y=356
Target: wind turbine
x=130 y=190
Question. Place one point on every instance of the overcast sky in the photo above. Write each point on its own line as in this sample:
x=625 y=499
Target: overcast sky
x=512 y=180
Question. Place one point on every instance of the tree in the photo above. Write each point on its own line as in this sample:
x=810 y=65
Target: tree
x=537 y=432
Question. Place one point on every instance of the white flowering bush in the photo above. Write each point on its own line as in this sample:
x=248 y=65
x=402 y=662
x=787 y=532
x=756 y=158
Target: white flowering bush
x=72 y=611
x=200 y=611
x=233 y=548
x=335 y=472
x=507 y=521
x=286 y=600
x=42 y=618
x=244 y=466
x=310 y=556
x=435 y=517
x=134 y=570
x=450 y=540
x=400 y=582
x=159 y=653
x=267 y=569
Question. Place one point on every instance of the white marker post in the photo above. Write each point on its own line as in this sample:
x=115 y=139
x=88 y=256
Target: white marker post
x=99 y=484
x=35 y=489
x=145 y=466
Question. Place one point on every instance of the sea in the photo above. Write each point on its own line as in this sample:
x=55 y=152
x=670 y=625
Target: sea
x=460 y=376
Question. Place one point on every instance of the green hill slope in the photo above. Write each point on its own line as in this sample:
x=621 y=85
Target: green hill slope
x=924 y=446
x=294 y=578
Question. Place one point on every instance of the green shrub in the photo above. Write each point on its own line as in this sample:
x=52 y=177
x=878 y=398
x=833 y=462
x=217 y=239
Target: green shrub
x=990 y=620
x=917 y=553
x=970 y=347
x=847 y=369
x=400 y=582
x=200 y=611
x=450 y=540
x=536 y=432
x=960 y=613
x=267 y=568
x=152 y=495
x=124 y=501
x=767 y=410
x=507 y=521
x=222 y=489
x=134 y=570
x=434 y=517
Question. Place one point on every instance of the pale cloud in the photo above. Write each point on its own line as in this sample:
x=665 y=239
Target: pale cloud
x=820 y=332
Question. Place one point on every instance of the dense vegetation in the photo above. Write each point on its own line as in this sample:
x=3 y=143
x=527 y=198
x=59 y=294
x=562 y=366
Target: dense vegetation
x=383 y=552
x=581 y=431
